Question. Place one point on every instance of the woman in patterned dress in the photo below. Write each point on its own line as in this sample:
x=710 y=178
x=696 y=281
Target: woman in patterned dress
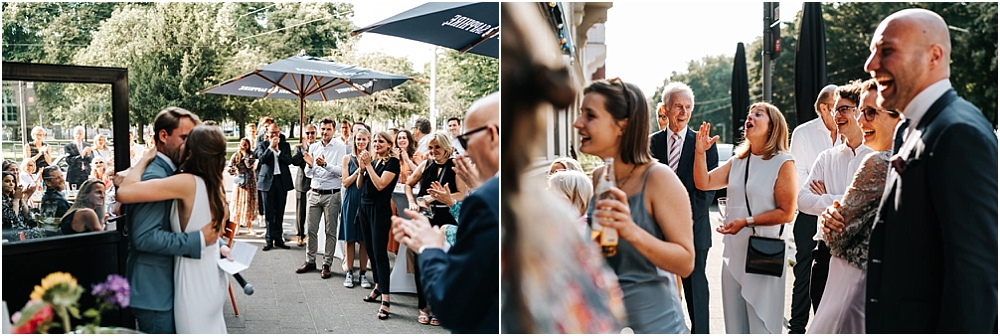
x=245 y=196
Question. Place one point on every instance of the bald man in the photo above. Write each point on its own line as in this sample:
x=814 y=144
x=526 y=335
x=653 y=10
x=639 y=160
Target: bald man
x=461 y=284
x=932 y=258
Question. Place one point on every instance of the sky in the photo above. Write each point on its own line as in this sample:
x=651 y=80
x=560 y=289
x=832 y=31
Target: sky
x=369 y=12
x=648 y=41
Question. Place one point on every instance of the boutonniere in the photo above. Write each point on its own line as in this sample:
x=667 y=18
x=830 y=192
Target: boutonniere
x=898 y=163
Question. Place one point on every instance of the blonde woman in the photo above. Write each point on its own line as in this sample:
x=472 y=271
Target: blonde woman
x=763 y=172
x=577 y=188
x=101 y=149
x=564 y=163
x=37 y=149
x=350 y=232
x=378 y=179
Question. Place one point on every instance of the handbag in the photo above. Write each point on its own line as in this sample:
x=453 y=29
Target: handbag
x=765 y=256
x=240 y=180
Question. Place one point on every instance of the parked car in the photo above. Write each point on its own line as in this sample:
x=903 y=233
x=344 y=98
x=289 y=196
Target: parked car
x=725 y=152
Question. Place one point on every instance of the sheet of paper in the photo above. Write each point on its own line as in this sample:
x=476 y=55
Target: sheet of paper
x=242 y=254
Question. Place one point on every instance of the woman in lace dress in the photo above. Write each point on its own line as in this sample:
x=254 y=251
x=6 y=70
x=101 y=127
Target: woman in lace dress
x=844 y=312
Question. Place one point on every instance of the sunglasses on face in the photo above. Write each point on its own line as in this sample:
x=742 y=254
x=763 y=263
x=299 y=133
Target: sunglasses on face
x=311 y=133
x=463 y=138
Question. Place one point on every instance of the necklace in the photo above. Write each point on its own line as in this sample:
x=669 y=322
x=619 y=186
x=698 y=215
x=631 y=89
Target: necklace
x=622 y=184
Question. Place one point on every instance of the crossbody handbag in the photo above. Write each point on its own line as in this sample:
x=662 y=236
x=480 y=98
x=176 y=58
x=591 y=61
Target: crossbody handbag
x=765 y=256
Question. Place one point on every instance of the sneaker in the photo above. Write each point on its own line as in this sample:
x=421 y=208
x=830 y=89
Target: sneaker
x=364 y=282
x=349 y=280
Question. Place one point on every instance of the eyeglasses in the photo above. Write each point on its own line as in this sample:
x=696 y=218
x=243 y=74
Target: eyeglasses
x=625 y=92
x=844 y=110
x=463 y=138
x=869 y=114
x=310 y=133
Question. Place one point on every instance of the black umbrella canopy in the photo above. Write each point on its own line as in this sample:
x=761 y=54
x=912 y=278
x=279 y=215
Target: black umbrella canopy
x=307 y=77
x=740 y=92
x=472 y=27
x=810 y=61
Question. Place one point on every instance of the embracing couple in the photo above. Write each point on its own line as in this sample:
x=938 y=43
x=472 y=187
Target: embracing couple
x=179 y=211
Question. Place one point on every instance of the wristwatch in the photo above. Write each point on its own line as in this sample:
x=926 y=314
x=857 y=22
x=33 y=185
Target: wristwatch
x=750 y=222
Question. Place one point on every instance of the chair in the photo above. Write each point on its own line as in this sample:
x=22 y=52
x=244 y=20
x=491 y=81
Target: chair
x=231 y=229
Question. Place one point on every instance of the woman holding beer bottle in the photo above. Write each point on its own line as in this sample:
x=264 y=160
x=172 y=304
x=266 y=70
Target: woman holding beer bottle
x=642 y=207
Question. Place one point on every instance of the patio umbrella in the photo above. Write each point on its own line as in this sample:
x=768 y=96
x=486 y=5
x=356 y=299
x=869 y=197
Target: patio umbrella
x=305 y=77
x=739 y=91
x=810 y=61
x=472 y=27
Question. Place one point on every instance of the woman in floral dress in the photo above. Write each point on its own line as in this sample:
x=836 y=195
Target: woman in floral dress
x=244 y=196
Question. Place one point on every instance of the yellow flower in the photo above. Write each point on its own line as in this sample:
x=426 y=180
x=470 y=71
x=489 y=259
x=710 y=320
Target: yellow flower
x=52 y=280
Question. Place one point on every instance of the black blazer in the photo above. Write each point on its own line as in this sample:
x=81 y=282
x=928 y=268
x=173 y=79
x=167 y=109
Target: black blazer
x=265 y=165
x=301 y=181
x=932 y=264
x=465 y=278
x=77 y=164
x=700 y=200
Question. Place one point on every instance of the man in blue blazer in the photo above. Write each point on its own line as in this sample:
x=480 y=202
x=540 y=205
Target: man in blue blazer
x=932 y=257
x=274 y=181
x=674 y=146
x=463 y=283
x=152 y=245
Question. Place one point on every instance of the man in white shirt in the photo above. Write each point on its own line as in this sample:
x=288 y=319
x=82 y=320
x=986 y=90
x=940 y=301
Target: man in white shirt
x=421 y=128
x=454 y=130
x=323 y=167
x=808 y=140
x=830 y=176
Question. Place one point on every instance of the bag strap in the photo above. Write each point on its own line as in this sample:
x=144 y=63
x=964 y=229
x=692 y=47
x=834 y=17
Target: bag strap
x=746 y=177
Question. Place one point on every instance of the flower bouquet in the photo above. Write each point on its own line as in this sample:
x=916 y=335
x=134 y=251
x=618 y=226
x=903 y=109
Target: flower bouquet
x=57 y=298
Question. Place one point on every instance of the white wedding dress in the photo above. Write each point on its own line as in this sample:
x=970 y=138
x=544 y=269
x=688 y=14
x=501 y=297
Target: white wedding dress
x=199 y=284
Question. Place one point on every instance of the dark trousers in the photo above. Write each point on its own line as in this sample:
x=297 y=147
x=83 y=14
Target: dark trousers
x=154 y=321
x=301 y=201
x=805 y=229
x=375 y=221
x=274 y=212
x=260 y=203
x=820 y=270
x=696 y=294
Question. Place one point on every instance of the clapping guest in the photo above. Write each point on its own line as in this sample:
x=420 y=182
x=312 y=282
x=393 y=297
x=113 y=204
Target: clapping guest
x=79 y=153
x=101 y=149
x=87 y=213
x=245 y=195
x=409 y=157
x=28 y=175
x=38 y=150
x=763 y=173
x=16 y=217
x=99 y=171
x=350 y=229
x=377 y=181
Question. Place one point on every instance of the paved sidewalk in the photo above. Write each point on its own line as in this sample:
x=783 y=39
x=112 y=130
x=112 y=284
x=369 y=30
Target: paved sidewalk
x=288 y=303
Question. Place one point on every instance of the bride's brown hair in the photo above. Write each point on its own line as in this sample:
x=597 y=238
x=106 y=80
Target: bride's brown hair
x=205 y=156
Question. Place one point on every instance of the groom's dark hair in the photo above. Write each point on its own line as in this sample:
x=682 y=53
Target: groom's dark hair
x=169 y=118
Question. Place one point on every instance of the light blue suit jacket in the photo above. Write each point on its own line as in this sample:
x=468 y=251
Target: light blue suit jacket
x=152 y=246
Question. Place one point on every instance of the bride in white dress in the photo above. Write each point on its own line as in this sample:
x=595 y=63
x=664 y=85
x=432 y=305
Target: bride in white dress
x=200 y=286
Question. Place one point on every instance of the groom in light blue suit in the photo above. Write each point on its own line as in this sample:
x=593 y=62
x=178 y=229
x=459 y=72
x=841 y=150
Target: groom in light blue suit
x=152 y=244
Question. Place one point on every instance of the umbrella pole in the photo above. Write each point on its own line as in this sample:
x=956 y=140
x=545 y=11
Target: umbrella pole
x=302 y=117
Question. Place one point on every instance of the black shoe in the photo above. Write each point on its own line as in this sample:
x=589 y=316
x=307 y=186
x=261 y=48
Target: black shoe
x=282 y=245
x=267 y=248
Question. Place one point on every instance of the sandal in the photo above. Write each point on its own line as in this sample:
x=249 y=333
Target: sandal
x=374 y=296
x=382 y=313
x=423 y=318
x=434 y=321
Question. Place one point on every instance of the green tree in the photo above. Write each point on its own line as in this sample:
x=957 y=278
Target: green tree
x=462 y=79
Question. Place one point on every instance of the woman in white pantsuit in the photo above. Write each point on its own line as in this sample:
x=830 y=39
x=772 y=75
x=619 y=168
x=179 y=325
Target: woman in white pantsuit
x=762 y=172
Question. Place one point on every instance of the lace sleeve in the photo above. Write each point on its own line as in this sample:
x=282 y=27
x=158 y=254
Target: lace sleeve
x=859 y=207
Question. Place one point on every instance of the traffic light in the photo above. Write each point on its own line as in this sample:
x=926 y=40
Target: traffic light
x=771 y=17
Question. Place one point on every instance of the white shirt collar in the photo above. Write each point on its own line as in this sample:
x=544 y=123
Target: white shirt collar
x=167 y=158
x=920 y=103
x=682 y=134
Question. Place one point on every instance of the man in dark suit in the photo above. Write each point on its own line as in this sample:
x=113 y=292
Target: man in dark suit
x=78 y=153
x=932 y=258
x=274 y=180
x=152 y=245
x=674 y=146
x=462 y=283
x=302 y=183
